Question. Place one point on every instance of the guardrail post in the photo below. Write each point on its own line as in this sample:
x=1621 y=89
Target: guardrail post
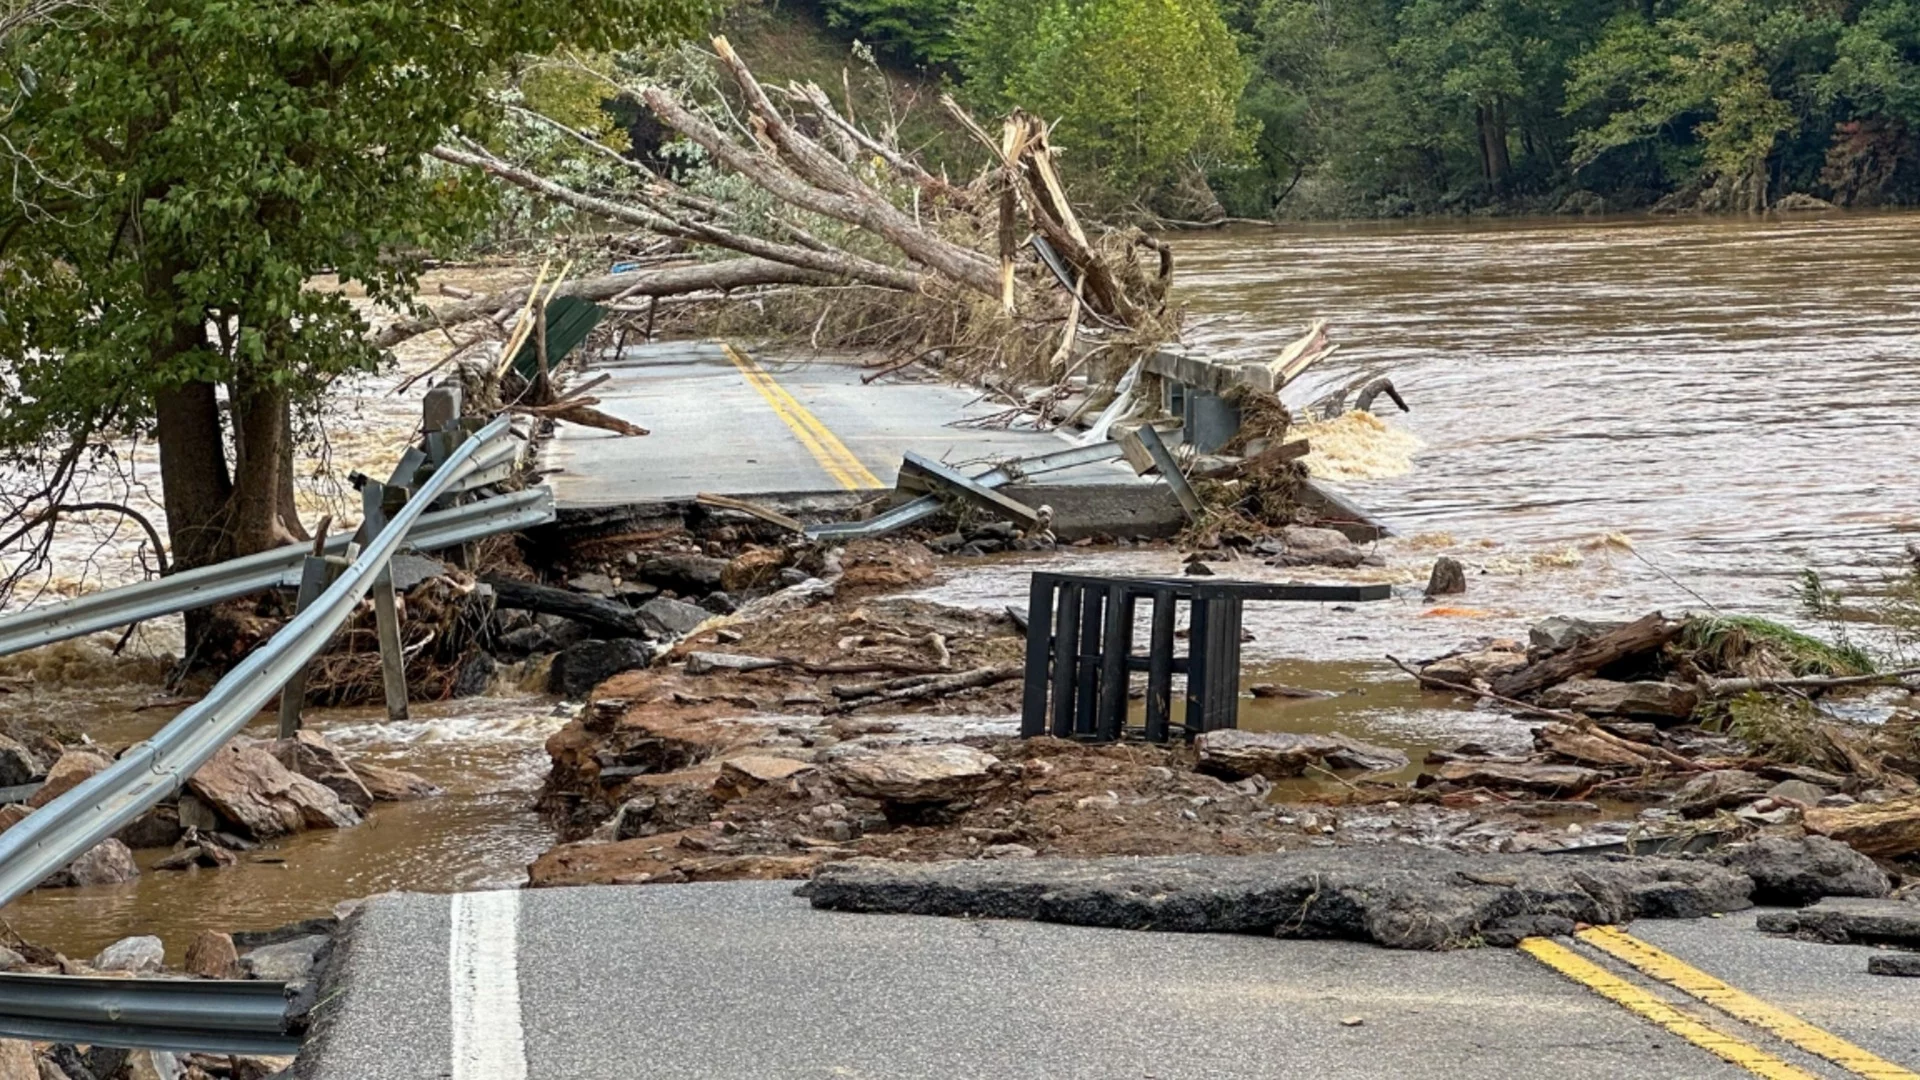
x=316 y=573
x=386 y=607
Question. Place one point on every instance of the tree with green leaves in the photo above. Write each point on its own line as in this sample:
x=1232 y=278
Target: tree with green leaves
x=194 y=164
x=919 y=33
x=1144 y=91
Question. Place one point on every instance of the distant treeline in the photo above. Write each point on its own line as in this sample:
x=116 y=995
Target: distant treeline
x=1384 y=107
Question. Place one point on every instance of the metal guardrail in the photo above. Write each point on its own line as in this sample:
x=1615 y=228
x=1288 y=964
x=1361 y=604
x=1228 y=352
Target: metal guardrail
x=280 y=567
x=181 y=1015
x=152 y=771
x=909 y=512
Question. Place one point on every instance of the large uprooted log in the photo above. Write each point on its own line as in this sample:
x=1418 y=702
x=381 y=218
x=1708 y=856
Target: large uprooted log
x=955 y=248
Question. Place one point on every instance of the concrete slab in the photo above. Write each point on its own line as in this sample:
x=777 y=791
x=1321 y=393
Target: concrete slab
x=742 y=980
x=779 y=425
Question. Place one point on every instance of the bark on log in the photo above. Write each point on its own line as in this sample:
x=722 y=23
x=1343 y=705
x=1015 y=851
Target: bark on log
x=938 y=687
x=677 y=281
x=1643 y=635
x=601 y=614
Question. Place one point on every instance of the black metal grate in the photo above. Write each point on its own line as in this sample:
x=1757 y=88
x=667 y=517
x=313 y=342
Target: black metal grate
x=1080 y=658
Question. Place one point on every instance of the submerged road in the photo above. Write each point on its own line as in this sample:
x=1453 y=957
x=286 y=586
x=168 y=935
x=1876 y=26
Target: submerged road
x=730 y=423
x=744 y=980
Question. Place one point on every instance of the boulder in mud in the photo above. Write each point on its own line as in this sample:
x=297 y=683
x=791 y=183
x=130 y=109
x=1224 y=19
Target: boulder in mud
x=1717 y=790
x=74 y=768
x=940 y=773
x=1887 y=830
x=18 y=765
x=248 y=786
x=133 y=955
x=157 y=828
x=686 y=574
x=1276 y=755
x=212 y=956
x=668 y=619
x=1448 y=578
x=582 y=666
x=663 y=808
x=316 y=759
x=109 y=862
x=394 y=785
x=1791 y=872
x=749 y=772
x=13 y=814
x=290 y=962
x=19 y=1062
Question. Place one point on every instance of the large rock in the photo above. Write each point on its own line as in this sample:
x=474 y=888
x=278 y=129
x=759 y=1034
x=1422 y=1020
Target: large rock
x=1565 y=631
x=685 y=574
x=316 y=759
x=671 y=619
x=291 y=962
x=1648 y=700
x=1307 y=546
x=13 y=814
x=581 y=667
x=157 y=828
x=133 y=955
x=1791 y=872
x=394 y=785
x=74 y=768
x=1850 y=921
x=109 y=862
x=1275 y=755
x=1400 y=897
x=1717 y=790
x=916 y=774
x=18 y=765
x=664 y=808
x=248 y=786
x=1463 y=669
x=212 y=956
x=1887 y=830
x=750 y=772
x=1526 y=775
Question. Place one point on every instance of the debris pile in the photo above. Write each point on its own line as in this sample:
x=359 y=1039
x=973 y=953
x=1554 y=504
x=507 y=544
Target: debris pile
x=1725 y=723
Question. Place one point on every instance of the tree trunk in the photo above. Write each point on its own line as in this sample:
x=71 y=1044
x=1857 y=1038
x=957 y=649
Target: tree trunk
x=1491 y=120
x=263 y=469
x=194 y=483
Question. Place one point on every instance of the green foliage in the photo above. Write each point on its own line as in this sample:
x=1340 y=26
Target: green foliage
x=916 y=32
x=198 y=161
x=1732 y=642
x=1141 y=90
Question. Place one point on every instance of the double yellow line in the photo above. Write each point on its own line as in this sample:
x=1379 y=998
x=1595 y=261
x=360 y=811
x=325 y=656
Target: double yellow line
x=829 y=451
x=1697 y=984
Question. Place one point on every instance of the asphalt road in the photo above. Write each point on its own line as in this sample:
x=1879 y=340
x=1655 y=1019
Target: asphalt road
x=730 y=423
x=745 y=980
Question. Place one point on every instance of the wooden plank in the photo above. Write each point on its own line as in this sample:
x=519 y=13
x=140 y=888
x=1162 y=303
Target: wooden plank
x=1643 y=635
x=972 y=491
x=751 y=509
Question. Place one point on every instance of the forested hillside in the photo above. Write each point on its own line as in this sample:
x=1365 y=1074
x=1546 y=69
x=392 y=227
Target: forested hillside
x=1386 y=107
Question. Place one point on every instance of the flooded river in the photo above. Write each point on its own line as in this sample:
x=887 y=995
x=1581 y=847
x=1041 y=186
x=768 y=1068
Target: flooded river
x=1608 y=417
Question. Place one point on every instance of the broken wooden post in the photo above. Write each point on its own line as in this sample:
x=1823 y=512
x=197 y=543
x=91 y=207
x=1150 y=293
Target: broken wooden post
x=386 y=606
x=971 y=490
x=316 y=573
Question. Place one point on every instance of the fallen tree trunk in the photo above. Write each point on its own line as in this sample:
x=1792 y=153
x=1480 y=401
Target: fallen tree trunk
x=743 y=273
x=1643 y=635
x=936 y=687
x=601 y=614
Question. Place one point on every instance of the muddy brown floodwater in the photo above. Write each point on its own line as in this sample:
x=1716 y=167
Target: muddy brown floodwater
x=1736 y=396
x=1609 y=417
x=487 y=753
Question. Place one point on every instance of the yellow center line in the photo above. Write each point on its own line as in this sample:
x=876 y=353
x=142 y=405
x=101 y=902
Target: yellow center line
x=1641 y=1002
x=825 y=447
x=1741 y=1005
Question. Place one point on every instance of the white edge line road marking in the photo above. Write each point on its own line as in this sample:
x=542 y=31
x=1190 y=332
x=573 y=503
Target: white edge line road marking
x=483 y=970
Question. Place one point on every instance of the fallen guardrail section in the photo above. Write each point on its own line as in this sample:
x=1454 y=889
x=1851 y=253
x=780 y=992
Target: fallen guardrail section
x=214 y=1016
x=182 y=1015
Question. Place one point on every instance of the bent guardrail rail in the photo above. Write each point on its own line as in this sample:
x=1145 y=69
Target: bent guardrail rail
x=151 y=771
x=280 y=567
x=179 y=1015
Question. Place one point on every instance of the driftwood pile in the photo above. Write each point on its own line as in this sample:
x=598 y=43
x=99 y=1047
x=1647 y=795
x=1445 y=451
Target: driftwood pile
x=1719 y=721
